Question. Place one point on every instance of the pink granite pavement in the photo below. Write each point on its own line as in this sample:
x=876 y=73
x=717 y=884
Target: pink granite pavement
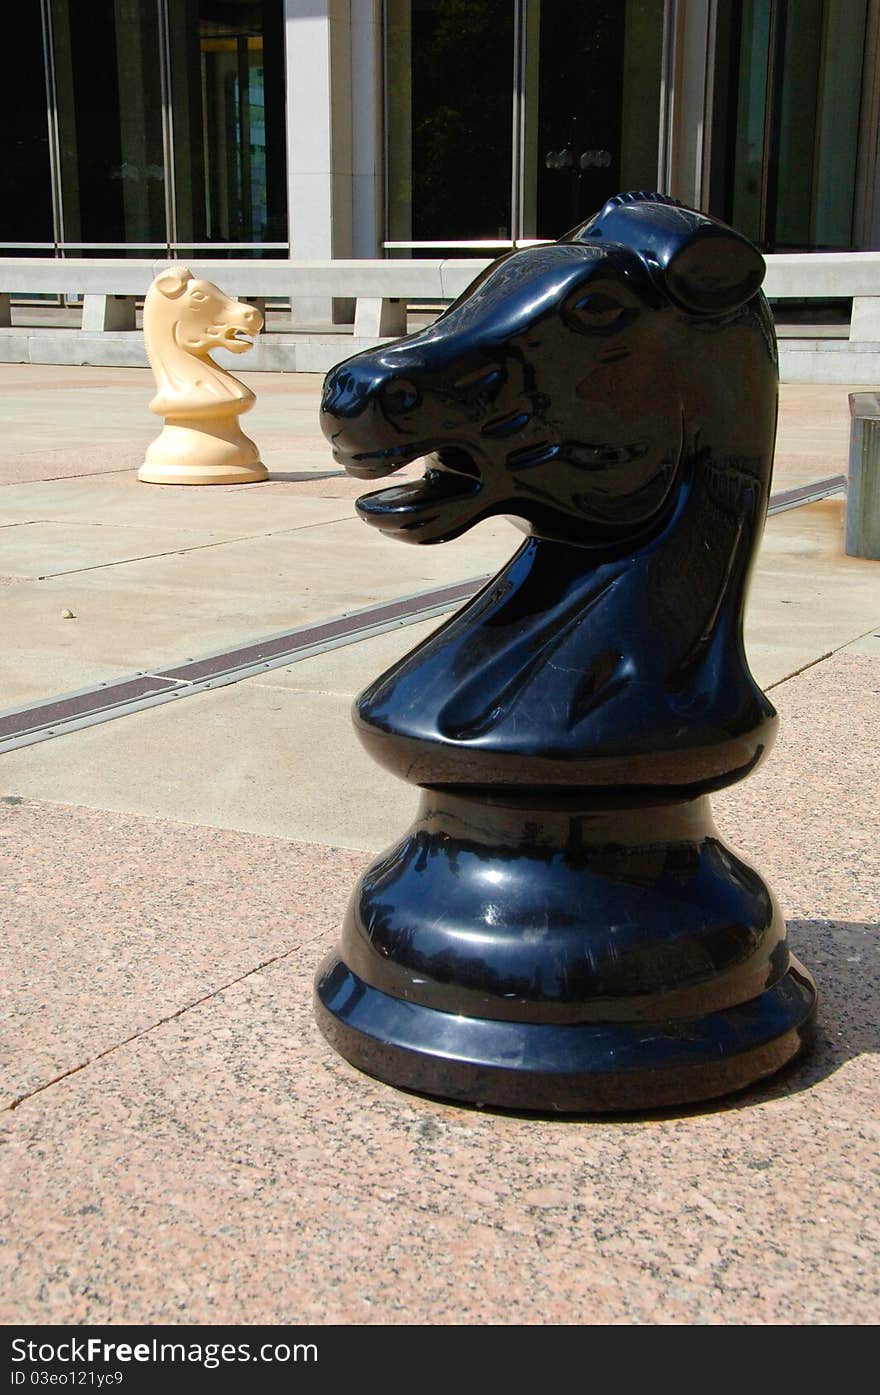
x=181 y=1145
x=185 y=1147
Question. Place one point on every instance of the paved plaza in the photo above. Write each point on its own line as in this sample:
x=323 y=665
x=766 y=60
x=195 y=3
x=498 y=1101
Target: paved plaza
x=181 y=1143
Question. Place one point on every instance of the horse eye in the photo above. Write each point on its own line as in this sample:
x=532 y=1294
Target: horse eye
x=596 y=311
x=197 y=295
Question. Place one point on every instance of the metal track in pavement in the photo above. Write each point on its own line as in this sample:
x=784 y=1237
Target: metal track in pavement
x=55 y=716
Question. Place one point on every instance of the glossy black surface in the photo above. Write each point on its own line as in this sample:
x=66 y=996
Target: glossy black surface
x=596 y=1067
x=546 y=915
x=616 y=392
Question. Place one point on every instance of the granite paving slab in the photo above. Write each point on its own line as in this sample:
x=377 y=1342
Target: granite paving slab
x=226 y=1165
x=111 y=922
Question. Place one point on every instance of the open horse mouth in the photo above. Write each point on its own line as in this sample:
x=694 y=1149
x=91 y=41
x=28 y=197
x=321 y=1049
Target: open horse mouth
x=440 y=505
x=237 y=339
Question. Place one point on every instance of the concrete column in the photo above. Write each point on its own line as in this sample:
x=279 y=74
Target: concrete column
x=865 y=322
x=379 y=319
x=108 y=312
x=687 y=100
x=318 y=45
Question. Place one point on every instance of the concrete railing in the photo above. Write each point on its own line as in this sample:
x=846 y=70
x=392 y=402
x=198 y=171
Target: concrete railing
x=110 y=287
x=831 y=275
x=379 y=291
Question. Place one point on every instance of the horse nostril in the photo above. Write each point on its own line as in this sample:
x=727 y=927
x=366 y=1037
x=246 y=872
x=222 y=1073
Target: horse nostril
x=399 y=395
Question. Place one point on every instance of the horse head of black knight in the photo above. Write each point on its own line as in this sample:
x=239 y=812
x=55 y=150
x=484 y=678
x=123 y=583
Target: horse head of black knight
x=616 y=391
x=568 y=385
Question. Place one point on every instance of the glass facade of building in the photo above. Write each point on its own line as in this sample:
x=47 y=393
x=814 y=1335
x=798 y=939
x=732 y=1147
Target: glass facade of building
x=516 y=119
x=788 y=89
x=26 y=207
x=508 y=120
x=133 y=127
x=145 y=125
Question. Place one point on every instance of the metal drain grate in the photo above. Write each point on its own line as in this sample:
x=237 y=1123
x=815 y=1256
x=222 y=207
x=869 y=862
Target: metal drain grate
x=806 y=494
x=102 y=702
x=55 y=716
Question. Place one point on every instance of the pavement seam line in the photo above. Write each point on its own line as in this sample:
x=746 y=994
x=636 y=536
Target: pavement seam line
x=144 y=1031
x=803 y=669
x=181 y=551
x=53 y=479
x=821 y=659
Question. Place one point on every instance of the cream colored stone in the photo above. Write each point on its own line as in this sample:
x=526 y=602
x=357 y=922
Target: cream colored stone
x=202 y=441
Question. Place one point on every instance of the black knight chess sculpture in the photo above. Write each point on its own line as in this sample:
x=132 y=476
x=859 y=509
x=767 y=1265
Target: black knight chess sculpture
x=562 y=928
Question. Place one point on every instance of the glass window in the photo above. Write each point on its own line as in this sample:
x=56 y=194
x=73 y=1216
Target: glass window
x=227 y=80
x=742 y=76
x=108 y=86
x=587 y=96
x=449 y=85
x=598 y=106
x=25 y=178
x=788 y=84
x=837 y=124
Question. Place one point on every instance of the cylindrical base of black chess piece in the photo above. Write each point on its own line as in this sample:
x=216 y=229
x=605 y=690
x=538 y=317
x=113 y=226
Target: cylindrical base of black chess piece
x=534 y=954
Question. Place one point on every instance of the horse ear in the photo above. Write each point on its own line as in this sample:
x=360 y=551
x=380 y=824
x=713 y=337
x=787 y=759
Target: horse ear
x=714 y=271
x=172 y=281
x=703 y=265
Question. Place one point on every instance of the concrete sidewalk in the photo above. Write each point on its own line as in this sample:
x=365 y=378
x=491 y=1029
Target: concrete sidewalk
x=183 y=1146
